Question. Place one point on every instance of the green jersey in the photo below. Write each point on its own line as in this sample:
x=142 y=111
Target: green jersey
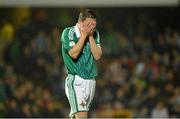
x=84 y=66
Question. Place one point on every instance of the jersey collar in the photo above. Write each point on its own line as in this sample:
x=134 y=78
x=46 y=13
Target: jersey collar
x=78 y=34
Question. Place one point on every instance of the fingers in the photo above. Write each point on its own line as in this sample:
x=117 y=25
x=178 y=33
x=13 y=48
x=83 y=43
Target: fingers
x=92 y=25
x=89 y=24
x=88 y=27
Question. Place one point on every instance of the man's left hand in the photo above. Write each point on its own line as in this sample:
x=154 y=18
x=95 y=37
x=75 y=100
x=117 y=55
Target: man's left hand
x=93 y=26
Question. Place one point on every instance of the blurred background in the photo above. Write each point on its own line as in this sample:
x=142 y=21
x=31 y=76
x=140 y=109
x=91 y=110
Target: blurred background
x=138 y=72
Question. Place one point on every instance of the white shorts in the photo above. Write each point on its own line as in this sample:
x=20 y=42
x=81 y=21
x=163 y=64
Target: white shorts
x=80 y=93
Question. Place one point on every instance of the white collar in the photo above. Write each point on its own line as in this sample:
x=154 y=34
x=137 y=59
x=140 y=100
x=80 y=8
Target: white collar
x=78 y=34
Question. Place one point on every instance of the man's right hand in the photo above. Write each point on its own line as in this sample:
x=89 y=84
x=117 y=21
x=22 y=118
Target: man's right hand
x=87 y=28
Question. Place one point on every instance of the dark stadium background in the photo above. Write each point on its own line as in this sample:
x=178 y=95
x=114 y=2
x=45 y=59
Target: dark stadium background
x=138 y=73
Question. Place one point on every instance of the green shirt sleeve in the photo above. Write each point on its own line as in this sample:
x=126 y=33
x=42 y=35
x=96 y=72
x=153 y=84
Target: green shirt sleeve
x=67 y=39
x=97 y=37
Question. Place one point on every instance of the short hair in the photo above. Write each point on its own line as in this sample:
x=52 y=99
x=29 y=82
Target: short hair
x=87 y=13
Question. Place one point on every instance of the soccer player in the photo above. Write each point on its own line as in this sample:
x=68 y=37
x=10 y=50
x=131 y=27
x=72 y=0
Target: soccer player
x=80 y=48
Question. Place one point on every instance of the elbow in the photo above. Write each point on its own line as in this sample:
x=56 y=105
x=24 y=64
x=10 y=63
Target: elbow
x=73 y=55
x=98 y=57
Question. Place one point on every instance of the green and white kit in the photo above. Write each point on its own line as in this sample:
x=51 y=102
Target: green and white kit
x=80 y=83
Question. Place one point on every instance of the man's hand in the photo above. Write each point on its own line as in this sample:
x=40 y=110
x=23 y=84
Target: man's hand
x=88 y=28
x=85 y=29
x=93 y=25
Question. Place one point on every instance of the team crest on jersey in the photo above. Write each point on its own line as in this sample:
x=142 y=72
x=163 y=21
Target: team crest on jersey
x=72 y=43
x=83 y=104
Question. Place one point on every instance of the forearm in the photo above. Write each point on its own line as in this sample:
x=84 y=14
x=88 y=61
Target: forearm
x=75 y=51
x=96 y=50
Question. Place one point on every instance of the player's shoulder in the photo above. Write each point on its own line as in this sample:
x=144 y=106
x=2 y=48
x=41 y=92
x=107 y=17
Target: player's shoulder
x=68 y=29
x=68 y=33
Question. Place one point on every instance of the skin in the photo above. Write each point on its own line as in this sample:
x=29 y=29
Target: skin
x=87 y=28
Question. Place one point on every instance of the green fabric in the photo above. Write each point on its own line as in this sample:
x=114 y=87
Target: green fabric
x=72 y=95
x=84 y=66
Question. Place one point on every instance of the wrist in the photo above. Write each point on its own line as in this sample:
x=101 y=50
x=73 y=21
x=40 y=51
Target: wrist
x=83 y=36
x=91 y=37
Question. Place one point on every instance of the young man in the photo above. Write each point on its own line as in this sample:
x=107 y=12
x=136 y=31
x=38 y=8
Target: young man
x=80 y=47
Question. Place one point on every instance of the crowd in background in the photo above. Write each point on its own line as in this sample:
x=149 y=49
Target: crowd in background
x=138 y=73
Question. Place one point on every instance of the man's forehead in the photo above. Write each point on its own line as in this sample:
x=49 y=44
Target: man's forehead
x=89 y=19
